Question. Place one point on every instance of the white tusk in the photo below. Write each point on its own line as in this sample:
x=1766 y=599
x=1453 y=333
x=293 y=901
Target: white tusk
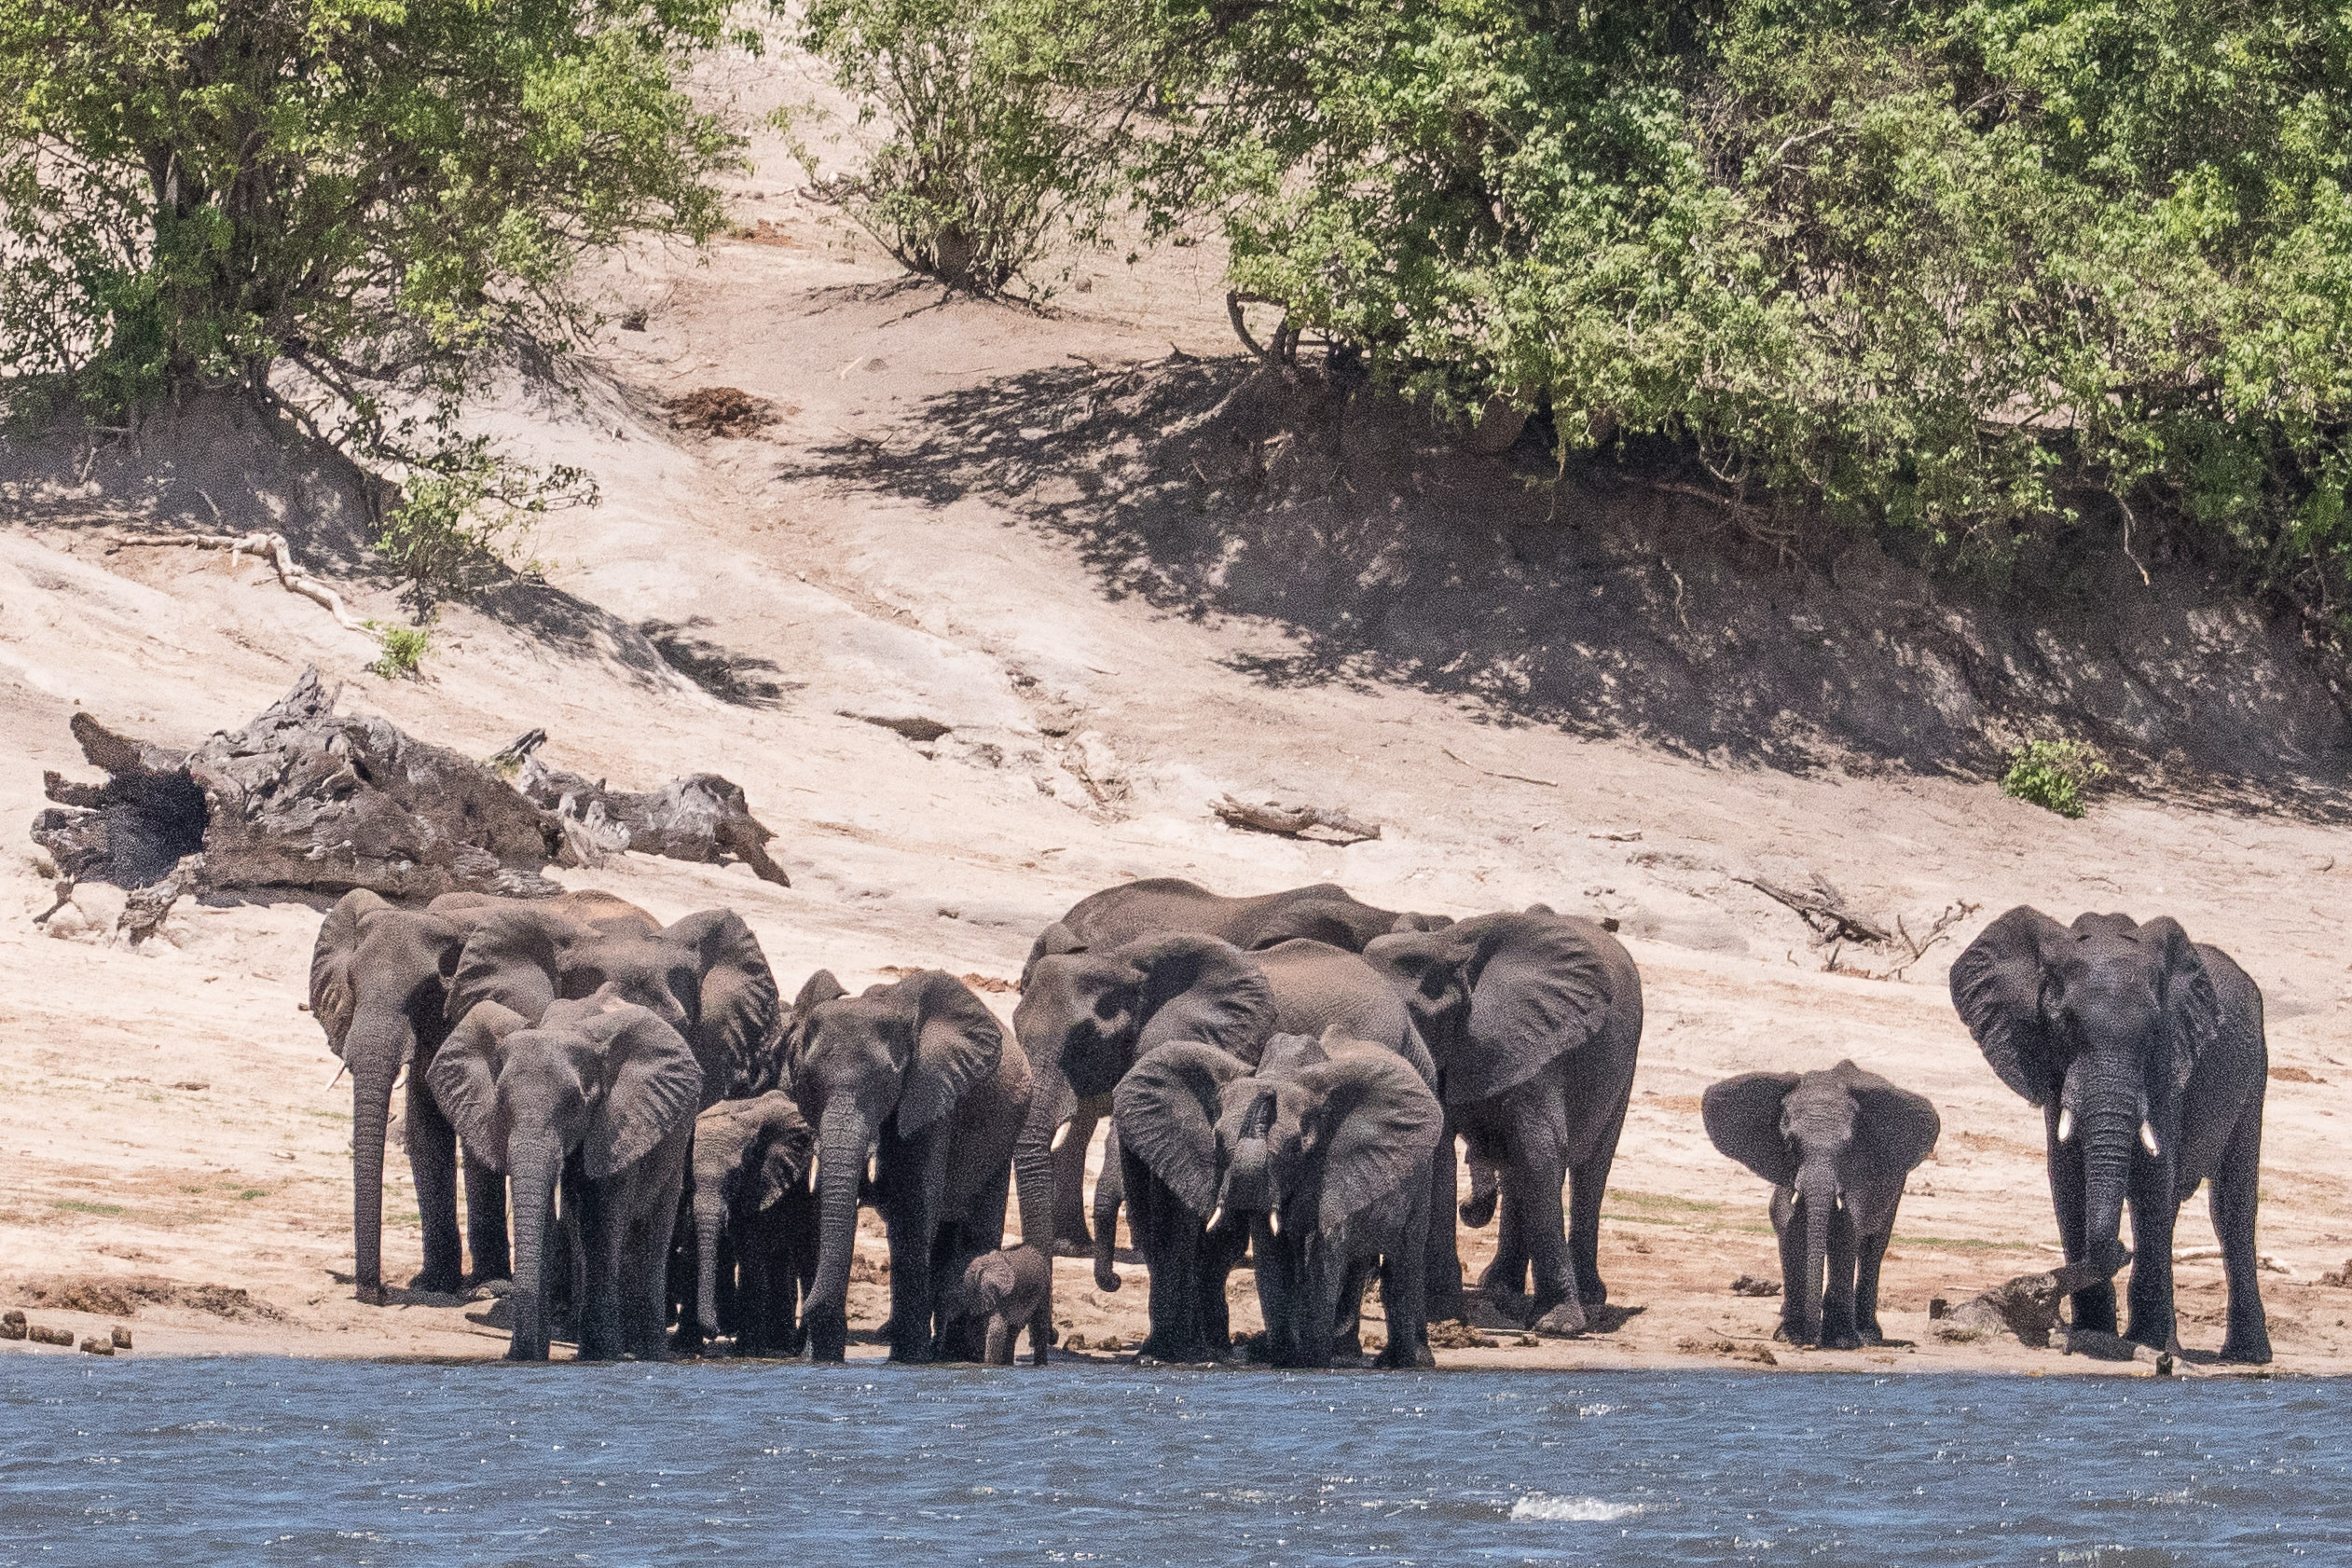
x=1273 y=1221
x=2148 y=1140
x=871 y=1173
x=1215 y=1214
x=2065 y=1125
x=1061 y=1136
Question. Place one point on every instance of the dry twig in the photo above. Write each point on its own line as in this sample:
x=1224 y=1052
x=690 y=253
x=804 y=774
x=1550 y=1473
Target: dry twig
x=1515 y=778
x=1825 y=909
x=1295 y=821
x=273 y=547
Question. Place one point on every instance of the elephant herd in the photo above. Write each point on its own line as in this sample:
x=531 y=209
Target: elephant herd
x=1286 y=1080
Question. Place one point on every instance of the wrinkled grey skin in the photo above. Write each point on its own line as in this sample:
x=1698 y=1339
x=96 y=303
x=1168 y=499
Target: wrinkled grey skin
x=1169 y=906
x=918 y=1079
x=1001 y=1294
x=2145 y=1051
x=752 y=1212
x=1837 y=1146
x=1535 y=1021
x=1320 y=1158
x=379 y=989
x=598 y=1098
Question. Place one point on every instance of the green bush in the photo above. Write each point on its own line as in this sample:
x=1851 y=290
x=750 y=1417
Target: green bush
x=403 y=655
x=462 y=514
x=2053 y=774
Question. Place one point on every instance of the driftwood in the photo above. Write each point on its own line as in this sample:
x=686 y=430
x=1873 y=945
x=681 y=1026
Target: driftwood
x=1825 y=909
x=271 y=547
x=701 y=817
x=1296 y=822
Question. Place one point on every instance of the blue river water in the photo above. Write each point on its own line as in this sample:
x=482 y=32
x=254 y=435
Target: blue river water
x=269 y=1461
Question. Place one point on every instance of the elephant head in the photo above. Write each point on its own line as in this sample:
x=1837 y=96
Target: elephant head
x=705 y=976
x=1842 y=1133
x=1085 y=1018
x=599 y=1077
x=899 y=1058
x=748 y=1155
x=2100 y=1025
x=1497 y=998
x=378 y=987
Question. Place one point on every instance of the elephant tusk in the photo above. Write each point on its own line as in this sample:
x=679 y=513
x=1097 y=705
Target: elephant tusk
x=1215 y=1215
x=1061 y=1136
x=2065 y=1125
x=874 y=1163
x=1273 y=1221
x=2148 y=1139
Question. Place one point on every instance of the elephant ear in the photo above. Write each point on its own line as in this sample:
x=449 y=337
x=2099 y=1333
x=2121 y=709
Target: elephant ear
x=736 y=1015
x=1198 y=988
x=653 y=1086
x=2192 y=1006
x=1415 y=922
x=1897 y=1128
x=334 y=993
x=1166 y=1109
x=463 y=1080
x=1997 y=990
x=958 y=1044
x=1054 y=939
x=1744 y=1121
x=514 y=958
x=1340 y=922
x=1539 y=988
x=1372 y=1125
x=788 y=1142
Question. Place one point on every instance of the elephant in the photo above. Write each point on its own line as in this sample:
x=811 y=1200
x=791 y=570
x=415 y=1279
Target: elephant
x=1836 y=1146
x=748 y=1190
x=1002 y=1293
x=380 y=980
x=597 y=1097
x=2145 y=1052
x=1169 y=906
x=705 y=976
x=1535 y=1021
x=917 y=1077
x=1322 y=1156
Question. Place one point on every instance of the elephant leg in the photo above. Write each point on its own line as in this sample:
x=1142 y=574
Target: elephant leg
x=1792 y=1328
x=599 y=1302
x=1220 y=1254
x=433 y=1160
x=1533 y=1187
x=1404 y=1300
x=486 y=1223
x=1040 y=1334
x=1506 y=1277
x=1873 y=1251
x=2154 y=1212
x=997 y=1352
x=2233 y=1200
x=1588 y=1184
x=1110 y=1190
x=2094 y=1308
x=1441 y=1253
x=1347 y=1324
x=1837 y=1290
x=1071 y=1236
x=643 y=1287
x=910 y=1237
x=1276 y=1272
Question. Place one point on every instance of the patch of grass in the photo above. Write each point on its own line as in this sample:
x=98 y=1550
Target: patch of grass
x=1661 y=1200
x=1963 y=1243
x=249 y=1194
x=77 y=1206
x=403 y=655
x=2054 y=775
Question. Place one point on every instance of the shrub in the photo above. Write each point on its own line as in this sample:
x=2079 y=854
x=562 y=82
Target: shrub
x=2053 y=774
x=461 y=517
x=403 y=655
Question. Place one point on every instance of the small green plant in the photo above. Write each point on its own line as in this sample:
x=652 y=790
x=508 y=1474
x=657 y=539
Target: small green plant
x=403 y=654
x=2053 y=774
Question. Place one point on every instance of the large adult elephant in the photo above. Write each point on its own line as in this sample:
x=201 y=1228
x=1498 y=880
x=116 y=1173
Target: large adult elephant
x=1837 y=1145
x=1534 y=1021
x=1321 y=1157
x=917 y=1077
x=1170 y=906
x=380 y=978
x=2145 y=1051
x=598 y=1095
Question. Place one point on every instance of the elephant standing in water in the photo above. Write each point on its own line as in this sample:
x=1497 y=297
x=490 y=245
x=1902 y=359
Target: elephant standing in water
x=1837 y=1146
x=1170 y=906
x=918 y=1077
x=379 y=989
x=598 y=1095
x=2145 y=1051
x=750 y=1207
x=1534 y=1021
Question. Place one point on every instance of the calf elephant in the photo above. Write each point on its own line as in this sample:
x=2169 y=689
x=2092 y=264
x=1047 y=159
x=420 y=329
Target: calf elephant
x=1836 y=1146
x=380 y=980
x=919 y=1077
x=2145 y=1051
x=599 y=1096
x=751 y=1159
x=1001 y=1294
x=1535 y=1021
x=1169 y=906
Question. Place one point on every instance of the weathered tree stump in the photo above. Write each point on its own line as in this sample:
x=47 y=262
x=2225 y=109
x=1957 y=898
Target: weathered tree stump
x=702 y=817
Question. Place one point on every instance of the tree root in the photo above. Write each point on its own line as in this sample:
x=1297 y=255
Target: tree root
x=273 y=547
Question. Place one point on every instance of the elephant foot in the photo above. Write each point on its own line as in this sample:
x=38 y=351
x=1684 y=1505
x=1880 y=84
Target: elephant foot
x=1593 y=1295
x=1841 y=1341
x=438 y=1282
x=1873 y=1335
x=497 y=1285
x=2250 y=1351
x=1568 y=1318
x=1074 y=1246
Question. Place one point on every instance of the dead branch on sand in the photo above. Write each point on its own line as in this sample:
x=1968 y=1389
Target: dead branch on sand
x=701 y=817
x=270 y=546
x=1823 y=909
x=1514 y=778
x=1296 y=822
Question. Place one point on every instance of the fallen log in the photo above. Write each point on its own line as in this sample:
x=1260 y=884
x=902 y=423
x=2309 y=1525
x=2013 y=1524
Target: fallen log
x=701 y=817
x=1295 y=821
x=1824 y=908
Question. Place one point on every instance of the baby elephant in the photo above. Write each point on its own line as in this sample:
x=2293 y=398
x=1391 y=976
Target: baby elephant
x=1836 y=1146
x=1003 y=1290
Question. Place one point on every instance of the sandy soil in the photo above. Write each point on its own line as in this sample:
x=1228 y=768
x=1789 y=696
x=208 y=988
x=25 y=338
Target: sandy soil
x=172 y=1111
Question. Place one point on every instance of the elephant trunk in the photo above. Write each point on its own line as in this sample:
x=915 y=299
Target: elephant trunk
x=843 y=1138
x=533 y=1165
x=375 y=1048
x=1111 y=1190
x=2108 y=1136
x=710 y=1216
x=1817 y=1195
